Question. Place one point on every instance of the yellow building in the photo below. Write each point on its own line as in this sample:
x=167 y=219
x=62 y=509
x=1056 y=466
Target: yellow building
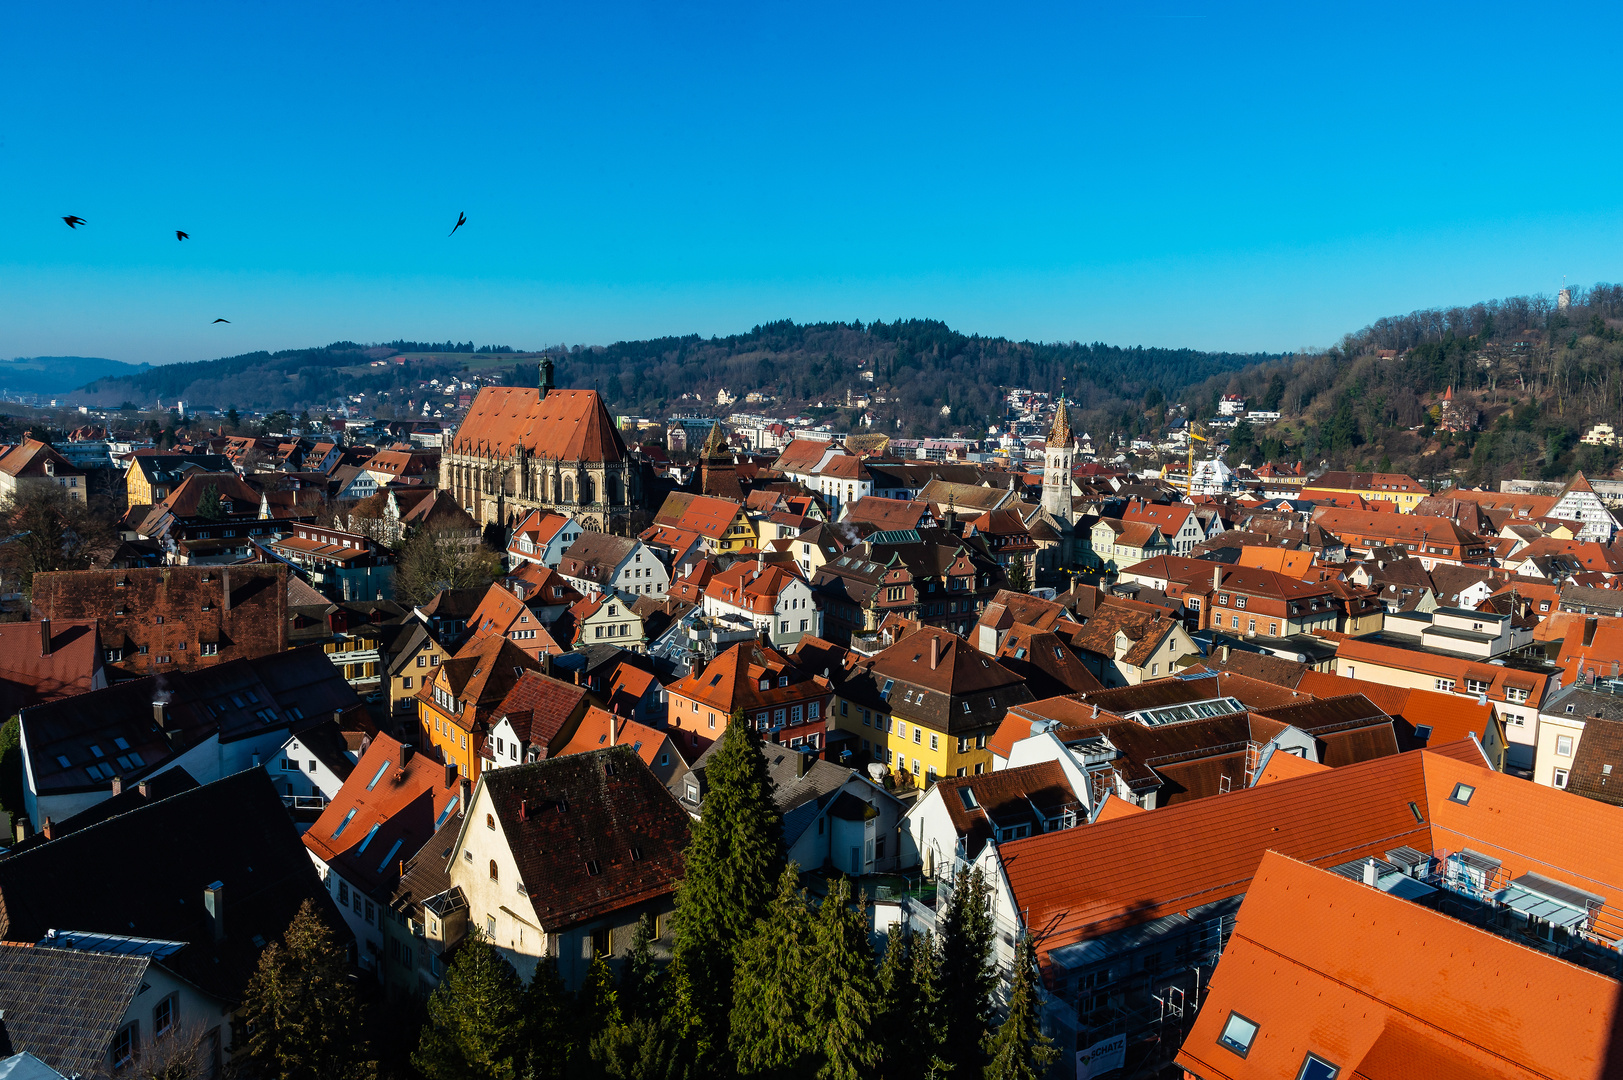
x=1403 y=491
x=415 y=661
x=722 y=524
x=926 y=707
x=151 y=478
x=463 y=697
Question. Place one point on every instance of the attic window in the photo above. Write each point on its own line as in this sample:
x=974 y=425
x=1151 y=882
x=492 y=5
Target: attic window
x=1422 y=731
x=1415 y=810
x=716 y=678
x=342 y=825
x=593 y=868
x=636 y=853
x=1238 y=1034
x=967 y=797
x=379 y=776
x=1462 y=794
x=1315 y=1067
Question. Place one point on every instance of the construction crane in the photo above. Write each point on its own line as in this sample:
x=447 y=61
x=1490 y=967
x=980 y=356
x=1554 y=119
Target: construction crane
x=1189 y=477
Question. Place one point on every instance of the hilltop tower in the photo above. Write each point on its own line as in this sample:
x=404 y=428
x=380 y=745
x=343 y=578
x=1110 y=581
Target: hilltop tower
x=1058 y=456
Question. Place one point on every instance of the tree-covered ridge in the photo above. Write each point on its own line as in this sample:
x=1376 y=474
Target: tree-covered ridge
x=1536 y=376
x=920 y=364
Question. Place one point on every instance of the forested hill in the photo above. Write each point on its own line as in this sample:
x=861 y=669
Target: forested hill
x=1532 y=376
x=58 y=374
x=922 y=365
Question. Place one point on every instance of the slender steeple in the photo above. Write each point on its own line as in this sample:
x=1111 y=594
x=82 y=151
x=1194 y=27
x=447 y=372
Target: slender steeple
x=1060 y=433
x=1058 y=456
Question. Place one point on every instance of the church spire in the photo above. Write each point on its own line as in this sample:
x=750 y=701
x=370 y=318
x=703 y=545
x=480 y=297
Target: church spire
x=1060 y=433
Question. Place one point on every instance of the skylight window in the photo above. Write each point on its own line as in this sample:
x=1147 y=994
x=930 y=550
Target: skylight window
x=1315 y=1067
x=1422 y=732
x=64 y=762
x=342 y=825
x=1238 y=1034
x=381 y=770
x=1415 y=810
x=593 y=868
x=370 y=833
x=389 y=858
x=450 y=808
x=1462 y=794
x=967 y=797
x=121 y=744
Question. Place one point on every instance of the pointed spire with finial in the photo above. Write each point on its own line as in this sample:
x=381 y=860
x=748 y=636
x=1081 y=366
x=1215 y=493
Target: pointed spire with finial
x=1060 y=433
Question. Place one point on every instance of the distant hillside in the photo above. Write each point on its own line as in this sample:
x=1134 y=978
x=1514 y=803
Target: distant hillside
x=1534 y=375
x=50 y=375
x=922 y=365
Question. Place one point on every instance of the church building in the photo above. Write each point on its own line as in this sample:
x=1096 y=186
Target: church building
x=521 y=449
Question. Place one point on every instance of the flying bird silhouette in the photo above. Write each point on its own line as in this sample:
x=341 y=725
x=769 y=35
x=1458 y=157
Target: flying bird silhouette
x=461 y=220
x=73 y=221
x=220 y=320
x=182 y=236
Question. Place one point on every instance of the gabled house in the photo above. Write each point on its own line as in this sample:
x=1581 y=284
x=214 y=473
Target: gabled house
x=621 y=565
x=562 y=857
x=32 y=463
x=543 y=537
x=772 y=598
x=457 y=704
x=392 y=803
x=502 y=613
x=313 y=765
x=600 y=729
x=782 y=700
x=539 y=715
x=1124 y=643
x=604 y=618
x=416 y=655
x=722 y=524
x=151 y=477
x=961 y=814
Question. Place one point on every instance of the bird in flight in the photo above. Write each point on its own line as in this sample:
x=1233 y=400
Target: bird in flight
x=74 y=221
x=220 y=320
x=461 y=220
x=182 y=236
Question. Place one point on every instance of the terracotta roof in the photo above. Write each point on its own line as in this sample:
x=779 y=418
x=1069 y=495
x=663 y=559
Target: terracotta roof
x=30 y=674
x=591 y=833
x=732 y=680
x=566 y=425
x=1450 y=717
x=703 y=514
x=1311 y=963
x=743 y=585
x=593 y=734
x=887 y=514
x=29 y=458
x=540 y=708
x=481 y=674
x=390 y=805
x=1115 y=807
x=1146 y=627
x=1283 y=766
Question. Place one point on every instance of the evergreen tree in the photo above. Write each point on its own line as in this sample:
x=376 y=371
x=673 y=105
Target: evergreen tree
x=597 y=1018
x=300 y=1013
x=209 y=507
x=907 y=1025
x=549 y=1024
x=1020 y=1050
x=476 y=1020
x=967 y=973
x=734 y=856
x=1019 y=580
x=842 y=992
x=774 y=1028
x=639 y=979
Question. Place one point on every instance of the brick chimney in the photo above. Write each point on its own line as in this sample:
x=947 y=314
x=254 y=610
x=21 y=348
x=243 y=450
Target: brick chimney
x=45 y=828
x=935 y=651
x=225 y=589
x=466 y=793
x=160 y=714
x=45 y=637
x=118 y=785
x=450 y=773
x=406 y=751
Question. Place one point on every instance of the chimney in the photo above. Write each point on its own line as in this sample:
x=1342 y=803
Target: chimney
x=524 y=809
x=21 y=830
x=466 y=794
x=1370 y=877
x=214 y=905
x=338 y=717
x=118 y=785
x=1225 y=653
x=143 y=788
x=935 y=651
x=160 y=714
x=225 y=589
x=802 y=764
x=45 y=637
x=45 y=828
x=406 y=750
x=1217 y=576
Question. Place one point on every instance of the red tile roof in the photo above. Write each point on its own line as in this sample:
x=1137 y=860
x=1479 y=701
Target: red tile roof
x=541 y=708
x=1384 y=988
x=29 y=674
x=593 y=734
x=566 y=425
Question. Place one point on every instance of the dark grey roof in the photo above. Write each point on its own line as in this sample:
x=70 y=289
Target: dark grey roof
x=64 y=1006
x=144 y=874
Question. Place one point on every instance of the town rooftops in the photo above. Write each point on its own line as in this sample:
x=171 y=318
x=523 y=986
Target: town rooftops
x=1083 y=883
x=64 y=1006
x=234 y=831
x=985 y=805
x=34 y=459
x=539 y=708
x=1380 y=987
x=45 y=661
x=591 y=833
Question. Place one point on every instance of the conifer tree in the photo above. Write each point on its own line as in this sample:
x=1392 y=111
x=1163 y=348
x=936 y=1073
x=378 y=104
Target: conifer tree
x=209 y=507
x=300 y=1013
x=907 y=1025
x=476 y=1021
x=598 y=1020
x=734 y=857
x=773 y=1030
x=841 y=990
x=639 y=979
x=1019 y=1050
x=550 y=1032
x=967 y=973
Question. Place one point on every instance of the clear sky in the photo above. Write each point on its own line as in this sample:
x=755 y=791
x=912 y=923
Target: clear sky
x=1212 y=175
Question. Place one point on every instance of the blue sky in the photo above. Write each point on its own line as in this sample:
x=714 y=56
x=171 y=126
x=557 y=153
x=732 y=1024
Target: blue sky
x=1212 y=175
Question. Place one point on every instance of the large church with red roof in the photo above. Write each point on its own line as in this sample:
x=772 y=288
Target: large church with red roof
x=521 y=449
